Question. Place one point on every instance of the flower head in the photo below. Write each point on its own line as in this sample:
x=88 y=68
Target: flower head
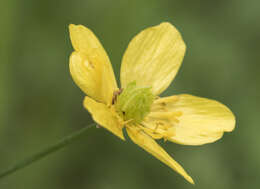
x=149 y=65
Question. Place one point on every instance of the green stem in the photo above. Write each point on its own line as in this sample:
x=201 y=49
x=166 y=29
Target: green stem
x=40 y=155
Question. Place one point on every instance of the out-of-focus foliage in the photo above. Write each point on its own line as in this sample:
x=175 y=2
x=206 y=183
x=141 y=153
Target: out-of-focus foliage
x=40 y=103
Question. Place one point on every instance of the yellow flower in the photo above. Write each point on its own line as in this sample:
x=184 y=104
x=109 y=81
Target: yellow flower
x=149 y=65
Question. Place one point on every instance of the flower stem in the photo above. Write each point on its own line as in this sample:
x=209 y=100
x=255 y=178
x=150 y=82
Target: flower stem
x=40 y=155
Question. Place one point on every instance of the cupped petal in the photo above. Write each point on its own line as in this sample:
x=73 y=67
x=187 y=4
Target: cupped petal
x=200 y=120
x=90 y=66
x=148 y=143
x=153 y=58
x=104 y=116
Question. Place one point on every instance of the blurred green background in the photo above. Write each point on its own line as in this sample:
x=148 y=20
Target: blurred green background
x=39 y=102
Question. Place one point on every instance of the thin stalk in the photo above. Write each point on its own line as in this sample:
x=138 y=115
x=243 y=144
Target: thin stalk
x=50 y=149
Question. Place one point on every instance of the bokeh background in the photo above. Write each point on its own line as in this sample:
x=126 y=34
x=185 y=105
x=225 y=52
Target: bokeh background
x=39 y=103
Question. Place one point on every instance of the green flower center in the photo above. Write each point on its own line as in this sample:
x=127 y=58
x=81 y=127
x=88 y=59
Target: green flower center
x=134 y=102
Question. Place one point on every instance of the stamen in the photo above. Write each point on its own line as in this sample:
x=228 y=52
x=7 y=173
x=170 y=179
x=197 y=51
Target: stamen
x=165 y=100
x=162 y=104
x=170 y=116
x=161 y=130
x=116 y=94
x=152 y=133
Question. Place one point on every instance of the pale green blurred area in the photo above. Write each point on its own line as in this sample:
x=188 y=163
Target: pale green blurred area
x=40 y=103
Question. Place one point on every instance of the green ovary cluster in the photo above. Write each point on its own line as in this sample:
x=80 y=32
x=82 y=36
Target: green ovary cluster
x=134 y=102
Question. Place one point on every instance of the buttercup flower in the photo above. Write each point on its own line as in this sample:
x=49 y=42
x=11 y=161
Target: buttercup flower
x=149 y=65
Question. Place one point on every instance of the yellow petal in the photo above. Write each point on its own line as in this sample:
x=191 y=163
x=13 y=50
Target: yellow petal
x=153 y=57
x=148 y=144
x=104 y=116
x=90 y=66
x=201 y=120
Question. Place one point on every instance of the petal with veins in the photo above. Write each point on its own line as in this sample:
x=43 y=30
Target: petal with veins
x=200 y=121
x=153 y=58
x=104 y=116
x=90 y=66
x=148 y=143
